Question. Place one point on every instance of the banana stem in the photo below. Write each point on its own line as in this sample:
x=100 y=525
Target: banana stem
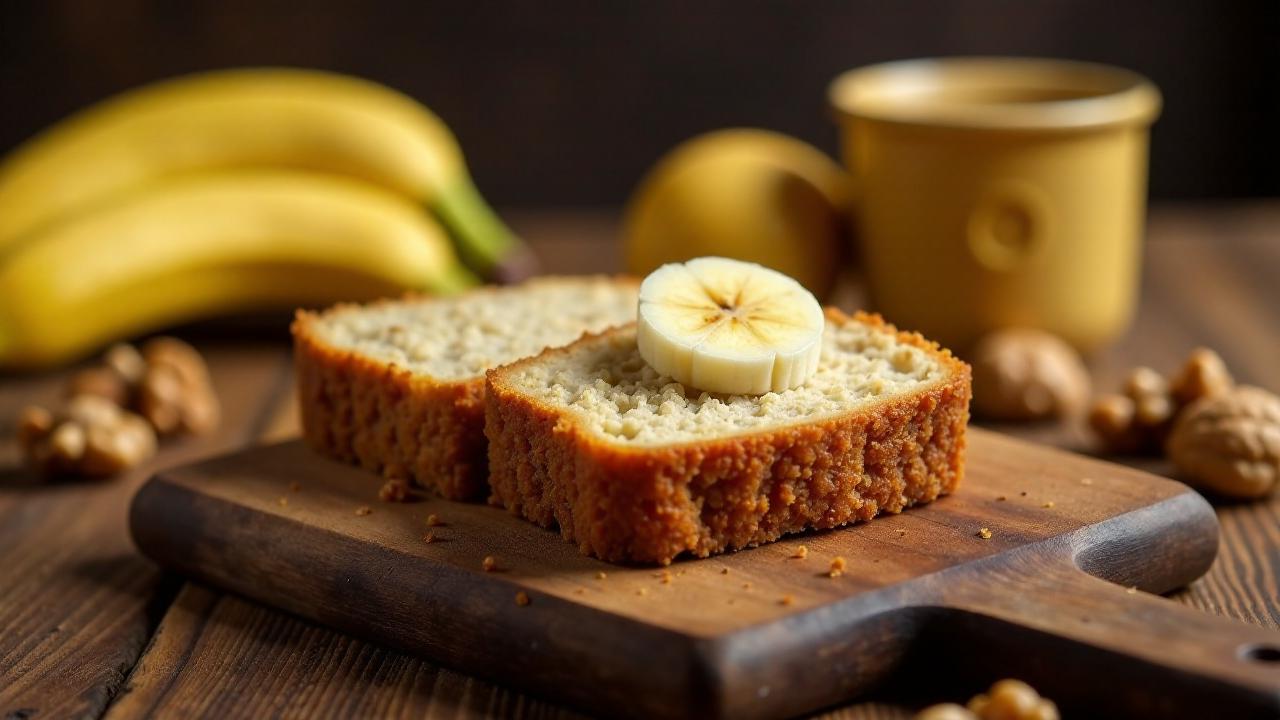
x=482 y=240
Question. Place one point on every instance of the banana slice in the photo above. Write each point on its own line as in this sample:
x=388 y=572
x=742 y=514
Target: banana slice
x=728 y=326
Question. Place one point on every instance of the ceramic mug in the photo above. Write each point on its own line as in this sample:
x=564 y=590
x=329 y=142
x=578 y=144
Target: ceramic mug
x=999 y=192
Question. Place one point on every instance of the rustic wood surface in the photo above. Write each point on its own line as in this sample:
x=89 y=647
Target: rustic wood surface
x=735 y=635
x=89 y=627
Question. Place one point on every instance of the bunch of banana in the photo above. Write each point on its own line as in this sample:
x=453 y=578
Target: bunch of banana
x=228 y=191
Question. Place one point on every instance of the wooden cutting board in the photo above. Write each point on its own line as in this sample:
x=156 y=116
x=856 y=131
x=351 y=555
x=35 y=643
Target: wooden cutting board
x=925 y=604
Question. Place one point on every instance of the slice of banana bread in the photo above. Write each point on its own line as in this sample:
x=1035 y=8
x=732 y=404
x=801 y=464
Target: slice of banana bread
x=397 y=386
x=633 y=467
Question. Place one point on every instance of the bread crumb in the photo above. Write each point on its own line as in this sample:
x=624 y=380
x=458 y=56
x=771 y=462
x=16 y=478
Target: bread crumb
x=579 y=591
x=1001 y=498
x=801 y=553
x=490 y=563
x=746 y=586
x=1086 y=481
x=642 y=591
x=430 y=537
x=1048 y=504
x=666 y=577
x=837 y=567
x=522 y=598
x=1132 y=590
x=787 y=600
x=724 y=571
x=284 y=501
x=1023 y=493
x=433 y=520
x=295 y=486
x=600 y=575
x=394 y=490
x=984 y=533
x=363 y=510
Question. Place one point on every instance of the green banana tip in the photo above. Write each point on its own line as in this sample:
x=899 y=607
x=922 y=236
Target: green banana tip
x=481 y=239
x=451 y=280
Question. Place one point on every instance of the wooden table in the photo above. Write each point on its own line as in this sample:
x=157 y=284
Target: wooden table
x=89 y=628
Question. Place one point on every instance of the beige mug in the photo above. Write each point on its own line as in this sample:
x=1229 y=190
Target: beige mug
x=999 y=192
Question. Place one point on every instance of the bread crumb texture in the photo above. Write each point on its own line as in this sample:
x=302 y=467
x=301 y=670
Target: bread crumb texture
x=458 y=338
x=633 y=467
x=612 y=391
x=397 y=387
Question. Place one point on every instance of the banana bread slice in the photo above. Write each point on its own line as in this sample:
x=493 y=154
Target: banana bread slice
x=397 y=386
x=633 y=467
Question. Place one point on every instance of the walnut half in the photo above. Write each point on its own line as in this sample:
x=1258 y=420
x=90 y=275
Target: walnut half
x=90 y=436
x=1230 y=443
x=1026 y=374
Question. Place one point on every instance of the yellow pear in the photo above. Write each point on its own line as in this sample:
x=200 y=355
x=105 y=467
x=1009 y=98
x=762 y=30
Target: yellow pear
x=746 y=194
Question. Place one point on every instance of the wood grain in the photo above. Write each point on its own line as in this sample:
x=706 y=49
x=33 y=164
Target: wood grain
x=693 y=641
x=79 y=603
x=196 y=663
x=1178 y=308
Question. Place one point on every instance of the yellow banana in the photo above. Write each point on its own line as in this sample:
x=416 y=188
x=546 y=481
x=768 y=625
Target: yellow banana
x=253 y=118
x=209 y=244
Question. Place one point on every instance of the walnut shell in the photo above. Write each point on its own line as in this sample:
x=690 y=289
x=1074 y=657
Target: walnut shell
x=1230 y=443
x=1025 y=374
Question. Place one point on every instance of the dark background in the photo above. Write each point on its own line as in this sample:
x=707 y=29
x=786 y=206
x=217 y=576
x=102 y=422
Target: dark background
x=568 y=102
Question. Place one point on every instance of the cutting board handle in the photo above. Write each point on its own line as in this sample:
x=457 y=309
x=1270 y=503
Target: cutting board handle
x=1117 y=650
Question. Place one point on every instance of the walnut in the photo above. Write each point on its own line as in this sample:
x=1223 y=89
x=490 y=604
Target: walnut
x=1141 y=420
x=1230 y=443
x=66 y=446
x=1138 y=421
x=175 y=392
x=177 y=354
x=95 y=434
x=92 y=410
x=1203 y=375
x=113 y=448
x=1152 y=404
x=1111 y=418
x=90 y=437
x=1025 y=374
x=101 y=381
x=126 y=361
x=160 y=399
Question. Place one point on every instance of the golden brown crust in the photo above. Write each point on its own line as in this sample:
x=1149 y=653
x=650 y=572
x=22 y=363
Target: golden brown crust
x=389 y=420
x=651 y=504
